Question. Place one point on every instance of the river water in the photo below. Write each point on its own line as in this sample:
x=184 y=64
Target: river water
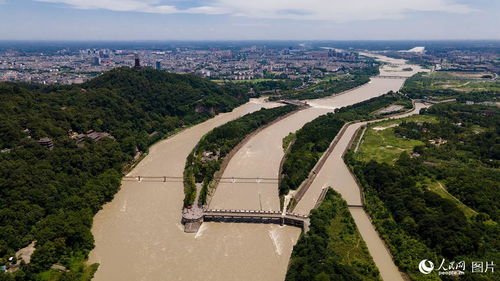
x=138 y=235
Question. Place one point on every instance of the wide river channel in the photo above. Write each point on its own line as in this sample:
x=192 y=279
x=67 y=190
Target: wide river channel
x=138 y=235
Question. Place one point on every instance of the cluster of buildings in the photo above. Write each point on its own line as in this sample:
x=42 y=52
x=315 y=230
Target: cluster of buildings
x=468 y=60
x=91 y=134
x=457 y=59
x=78 y=138
x=245 y=63
x=62 y=67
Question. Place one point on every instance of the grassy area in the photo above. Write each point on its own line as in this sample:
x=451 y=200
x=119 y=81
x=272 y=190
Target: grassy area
x=78 y=271
x=50 y=275
x=446 y=80
x=382 y=145
x=89 y=271
x=440 y=190
x=329 y=78
x=346 y=240
x=406 y=103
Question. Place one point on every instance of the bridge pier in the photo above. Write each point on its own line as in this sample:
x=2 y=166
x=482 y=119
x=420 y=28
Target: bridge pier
x=192 y=218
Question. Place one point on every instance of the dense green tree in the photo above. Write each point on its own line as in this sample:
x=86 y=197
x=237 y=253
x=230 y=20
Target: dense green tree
x=319 y=253
x=407 y=212
x=51 y=196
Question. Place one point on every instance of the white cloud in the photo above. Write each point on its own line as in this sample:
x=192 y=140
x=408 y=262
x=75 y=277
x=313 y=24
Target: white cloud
x=326 y=10
x=146 y=6
x=337 y=10
x=209 y=10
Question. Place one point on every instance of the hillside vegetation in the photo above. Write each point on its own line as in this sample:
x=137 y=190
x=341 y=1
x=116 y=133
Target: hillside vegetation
x=50 y=193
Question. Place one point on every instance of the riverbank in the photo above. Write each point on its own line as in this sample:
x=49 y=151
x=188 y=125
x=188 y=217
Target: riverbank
x=336 y=174
x=205 y=160
x=231 y=154
x=142 y=223
x=144 y=213
x=311 y=156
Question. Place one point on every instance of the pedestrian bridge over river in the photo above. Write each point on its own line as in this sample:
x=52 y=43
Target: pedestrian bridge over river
x=262 y=180
x=390 y=77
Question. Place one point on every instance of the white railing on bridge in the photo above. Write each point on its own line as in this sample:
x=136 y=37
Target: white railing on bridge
x=232 y=179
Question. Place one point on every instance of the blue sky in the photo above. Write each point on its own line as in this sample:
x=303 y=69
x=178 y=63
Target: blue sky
x=249 y=19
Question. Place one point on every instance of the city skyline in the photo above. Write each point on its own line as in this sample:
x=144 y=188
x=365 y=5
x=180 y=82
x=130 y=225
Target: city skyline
x=243 y=20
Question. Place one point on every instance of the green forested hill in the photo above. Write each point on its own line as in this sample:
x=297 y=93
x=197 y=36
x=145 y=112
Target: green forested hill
x=167 y=93
x=51 y=195
x=122 y=99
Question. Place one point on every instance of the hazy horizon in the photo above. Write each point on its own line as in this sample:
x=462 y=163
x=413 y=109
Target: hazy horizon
x=247 y=40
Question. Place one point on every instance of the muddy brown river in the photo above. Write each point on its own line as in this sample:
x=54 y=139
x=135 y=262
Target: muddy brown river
x=139 y=236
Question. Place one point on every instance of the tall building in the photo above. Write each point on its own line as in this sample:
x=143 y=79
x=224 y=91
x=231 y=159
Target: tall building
x=158 y=65
x=137 y=63
x=96 y=61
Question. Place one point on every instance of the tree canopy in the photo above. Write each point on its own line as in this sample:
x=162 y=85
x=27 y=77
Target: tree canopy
x=55 y=174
